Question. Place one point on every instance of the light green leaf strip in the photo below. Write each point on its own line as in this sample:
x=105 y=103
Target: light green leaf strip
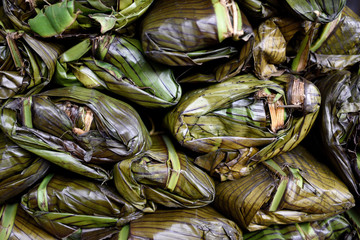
x=174 y=162
x=279 y=194
x=7 y=219
x=42 y=193
x=27 y=112
x=124 y=233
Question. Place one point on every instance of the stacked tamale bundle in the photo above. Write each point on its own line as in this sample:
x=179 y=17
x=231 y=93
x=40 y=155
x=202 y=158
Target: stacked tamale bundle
x=183 y=119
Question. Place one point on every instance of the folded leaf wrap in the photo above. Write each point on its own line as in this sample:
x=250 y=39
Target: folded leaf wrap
x=290 y=188
x=163 y=175
x=62 y=206
x=233 y=116
x=76 y=128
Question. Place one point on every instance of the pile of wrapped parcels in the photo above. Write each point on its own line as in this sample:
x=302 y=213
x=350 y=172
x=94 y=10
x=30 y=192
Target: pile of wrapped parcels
x=181 y=119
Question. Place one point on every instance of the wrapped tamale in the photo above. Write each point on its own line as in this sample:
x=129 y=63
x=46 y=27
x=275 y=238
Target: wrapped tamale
x=337 y=45
x=322 y=11
x=118 y=65
x=333 y=228
x=26 y=63
x=290 y=188
x=76 y=128
x=66 y=207
x=246 y=118
x=198 y=223
x=15 y=223
x=163 y=175
x=19 y=169
x=186 y=33
x=76 y=16
x=336 y=132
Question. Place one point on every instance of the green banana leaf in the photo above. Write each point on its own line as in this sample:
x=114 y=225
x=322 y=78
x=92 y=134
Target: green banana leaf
x=333 y=228
x=76 y=128
x=322 y=11
x=15 y=223
x=186 y=33
x=77 y=16
x=336 y=131
x=232 y=117
x=27 y=64
x=217 y=71
x=162 y=175
x=19 y=169
x=290 y=188
x=259 y=9
x=63 y=206
x=119 y=66
x=337 y=46
x=271 y=39
x=191 y=224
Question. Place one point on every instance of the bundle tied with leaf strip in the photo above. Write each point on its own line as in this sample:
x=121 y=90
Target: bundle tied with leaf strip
x=337 y=45
x=163 y=175
x=243 y=121
x=64 y=207
x=118 y=64
x=336 y=132
x=186 y=33
x=77 y=16
x=290 y=188
x=191 y=224
x=26 y=63
x=76 y=128
x=333 y=228
x=15 y=223
x=19 y=169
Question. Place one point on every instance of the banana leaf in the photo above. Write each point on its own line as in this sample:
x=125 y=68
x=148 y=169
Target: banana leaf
x=15 y=223
x=337 y=46
x=290 y=188
x=119 y=66
x=64 y=206
x=336 y=131
x=77 y=16
x=76 y=128
x=162 y=175
x=187 y=33
x=19 y=169
x=322 y=11
x=271 y=39
x=27 y=64
x=333 y=228
x=217 y=71
x=245 y=116
x=260 y=9
x=199 y=223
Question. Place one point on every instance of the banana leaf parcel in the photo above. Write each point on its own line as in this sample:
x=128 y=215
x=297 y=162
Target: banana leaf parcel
x=244 y=118
x=337 y=128
x=190 y=224
x=26 y=63
x=337 y=46
x=77 y=16
x=322 y=11
x=290 y=188
x=19 y=169
x=119 y=65
x=187 y=33
x=333 y=228
x=163 y=175
x=69 y=207
x=15 y=223
x=76 y=128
